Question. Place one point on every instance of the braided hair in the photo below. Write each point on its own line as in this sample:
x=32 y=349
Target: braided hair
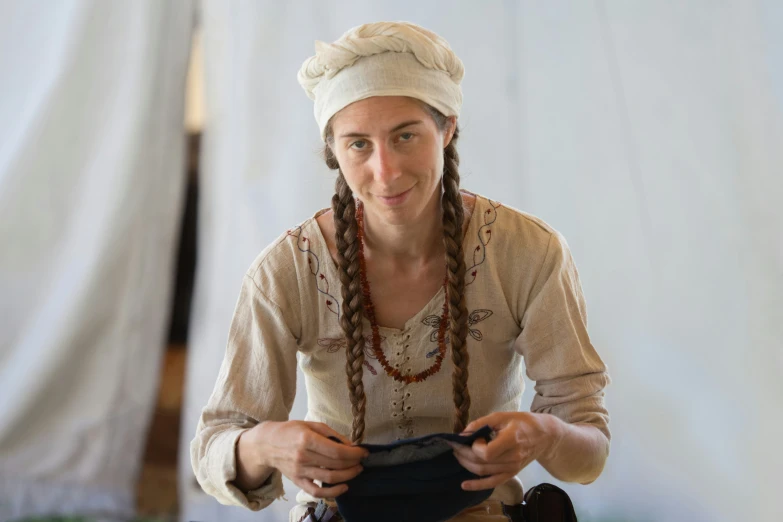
x=346 y=227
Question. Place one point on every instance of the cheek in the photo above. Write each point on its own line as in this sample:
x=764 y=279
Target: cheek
x=435 y=152
x=427 y=159
x=436 y=162
x=355 y=176
x=439 y=165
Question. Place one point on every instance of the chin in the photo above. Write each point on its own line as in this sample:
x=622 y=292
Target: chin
x=402 y=215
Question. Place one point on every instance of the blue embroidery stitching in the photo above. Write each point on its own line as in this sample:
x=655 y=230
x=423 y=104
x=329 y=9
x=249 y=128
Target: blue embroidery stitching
x=476 y=316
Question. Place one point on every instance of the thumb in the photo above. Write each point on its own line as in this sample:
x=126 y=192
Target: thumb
x=473 y=426
x=326 y=431
x=493 y=420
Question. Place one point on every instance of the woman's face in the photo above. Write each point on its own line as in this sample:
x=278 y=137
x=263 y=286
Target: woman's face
x=390 y=151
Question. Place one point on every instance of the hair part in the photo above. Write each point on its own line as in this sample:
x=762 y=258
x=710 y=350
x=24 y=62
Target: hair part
x=346 y=227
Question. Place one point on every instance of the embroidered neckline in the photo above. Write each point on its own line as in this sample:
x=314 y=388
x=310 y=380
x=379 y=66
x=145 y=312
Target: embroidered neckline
x=484 y=234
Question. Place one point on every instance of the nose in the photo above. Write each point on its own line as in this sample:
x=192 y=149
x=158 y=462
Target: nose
x=386 y=164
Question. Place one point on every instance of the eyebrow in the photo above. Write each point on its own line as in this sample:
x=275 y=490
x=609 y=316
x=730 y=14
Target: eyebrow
x=395 y=129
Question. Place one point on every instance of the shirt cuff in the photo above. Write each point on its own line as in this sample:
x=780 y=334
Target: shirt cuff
x=222 y=471
x=578 y=400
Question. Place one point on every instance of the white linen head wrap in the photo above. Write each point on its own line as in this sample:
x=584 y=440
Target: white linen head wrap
x=382 y=59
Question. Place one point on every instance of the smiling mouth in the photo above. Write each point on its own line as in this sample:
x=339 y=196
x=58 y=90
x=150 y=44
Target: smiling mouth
x=395 y=195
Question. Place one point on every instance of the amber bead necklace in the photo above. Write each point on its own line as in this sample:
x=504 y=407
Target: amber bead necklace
x=369 y=309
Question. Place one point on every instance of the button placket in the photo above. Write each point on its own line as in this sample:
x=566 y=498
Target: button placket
x=407 y=422
x=396 y=404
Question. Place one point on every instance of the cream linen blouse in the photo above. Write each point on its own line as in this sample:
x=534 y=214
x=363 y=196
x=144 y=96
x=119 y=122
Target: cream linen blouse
x=524 y=301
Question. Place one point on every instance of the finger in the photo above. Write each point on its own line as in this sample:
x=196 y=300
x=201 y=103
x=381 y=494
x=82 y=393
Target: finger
x=475 y=425
x=332 y=476
x=487 y=482
x=515 y=454
x=480 y=449
x=307 y=458
x=318 y=443
x=319 y=492
x=486 y=470
x=326 y=431
x=490 y=451
x=493 y=420
x=467 y=454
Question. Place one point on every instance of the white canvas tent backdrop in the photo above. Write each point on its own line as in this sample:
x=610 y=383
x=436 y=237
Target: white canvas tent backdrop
x=91 y=180
x=647 y=132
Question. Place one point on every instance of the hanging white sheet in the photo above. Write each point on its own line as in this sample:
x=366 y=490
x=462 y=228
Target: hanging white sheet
x=91 y=183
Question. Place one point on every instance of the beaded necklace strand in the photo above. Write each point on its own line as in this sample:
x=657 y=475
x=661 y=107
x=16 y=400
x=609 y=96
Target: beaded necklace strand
x=369 y=309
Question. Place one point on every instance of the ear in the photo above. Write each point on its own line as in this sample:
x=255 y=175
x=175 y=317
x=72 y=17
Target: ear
x=450 y=131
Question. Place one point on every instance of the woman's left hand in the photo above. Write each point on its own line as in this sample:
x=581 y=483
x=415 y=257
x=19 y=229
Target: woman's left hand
x=520 y=438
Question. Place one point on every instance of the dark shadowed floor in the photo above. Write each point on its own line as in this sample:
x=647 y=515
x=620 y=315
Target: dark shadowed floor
x=156 y=492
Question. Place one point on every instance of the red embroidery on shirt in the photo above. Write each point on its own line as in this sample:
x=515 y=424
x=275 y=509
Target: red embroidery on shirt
x=484 y=237
x=334 y=345
x=339 y=344
x=314 y=264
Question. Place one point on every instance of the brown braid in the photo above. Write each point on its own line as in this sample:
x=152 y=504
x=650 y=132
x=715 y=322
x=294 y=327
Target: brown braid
x=344 y=209
x=453 y=217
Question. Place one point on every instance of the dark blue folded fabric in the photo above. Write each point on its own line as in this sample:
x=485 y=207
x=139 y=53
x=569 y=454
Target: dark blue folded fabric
x=416 y=480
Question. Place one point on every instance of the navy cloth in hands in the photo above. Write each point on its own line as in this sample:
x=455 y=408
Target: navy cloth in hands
x=416 y=480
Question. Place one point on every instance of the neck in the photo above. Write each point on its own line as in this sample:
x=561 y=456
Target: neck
x=406 y=244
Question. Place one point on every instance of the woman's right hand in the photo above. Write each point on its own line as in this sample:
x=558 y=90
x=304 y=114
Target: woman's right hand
x=302 y=452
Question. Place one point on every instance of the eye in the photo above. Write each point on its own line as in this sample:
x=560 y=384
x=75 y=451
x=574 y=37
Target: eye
x=406 y=136
x=359 y=145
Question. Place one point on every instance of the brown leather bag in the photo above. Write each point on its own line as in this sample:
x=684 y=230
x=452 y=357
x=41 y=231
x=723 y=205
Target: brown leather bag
x=543 y=503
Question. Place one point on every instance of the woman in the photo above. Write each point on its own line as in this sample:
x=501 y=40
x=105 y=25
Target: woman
x=387 y=97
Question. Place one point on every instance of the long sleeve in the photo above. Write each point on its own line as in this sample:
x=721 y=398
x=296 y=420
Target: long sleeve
x=256 y=382
x=569 y=375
